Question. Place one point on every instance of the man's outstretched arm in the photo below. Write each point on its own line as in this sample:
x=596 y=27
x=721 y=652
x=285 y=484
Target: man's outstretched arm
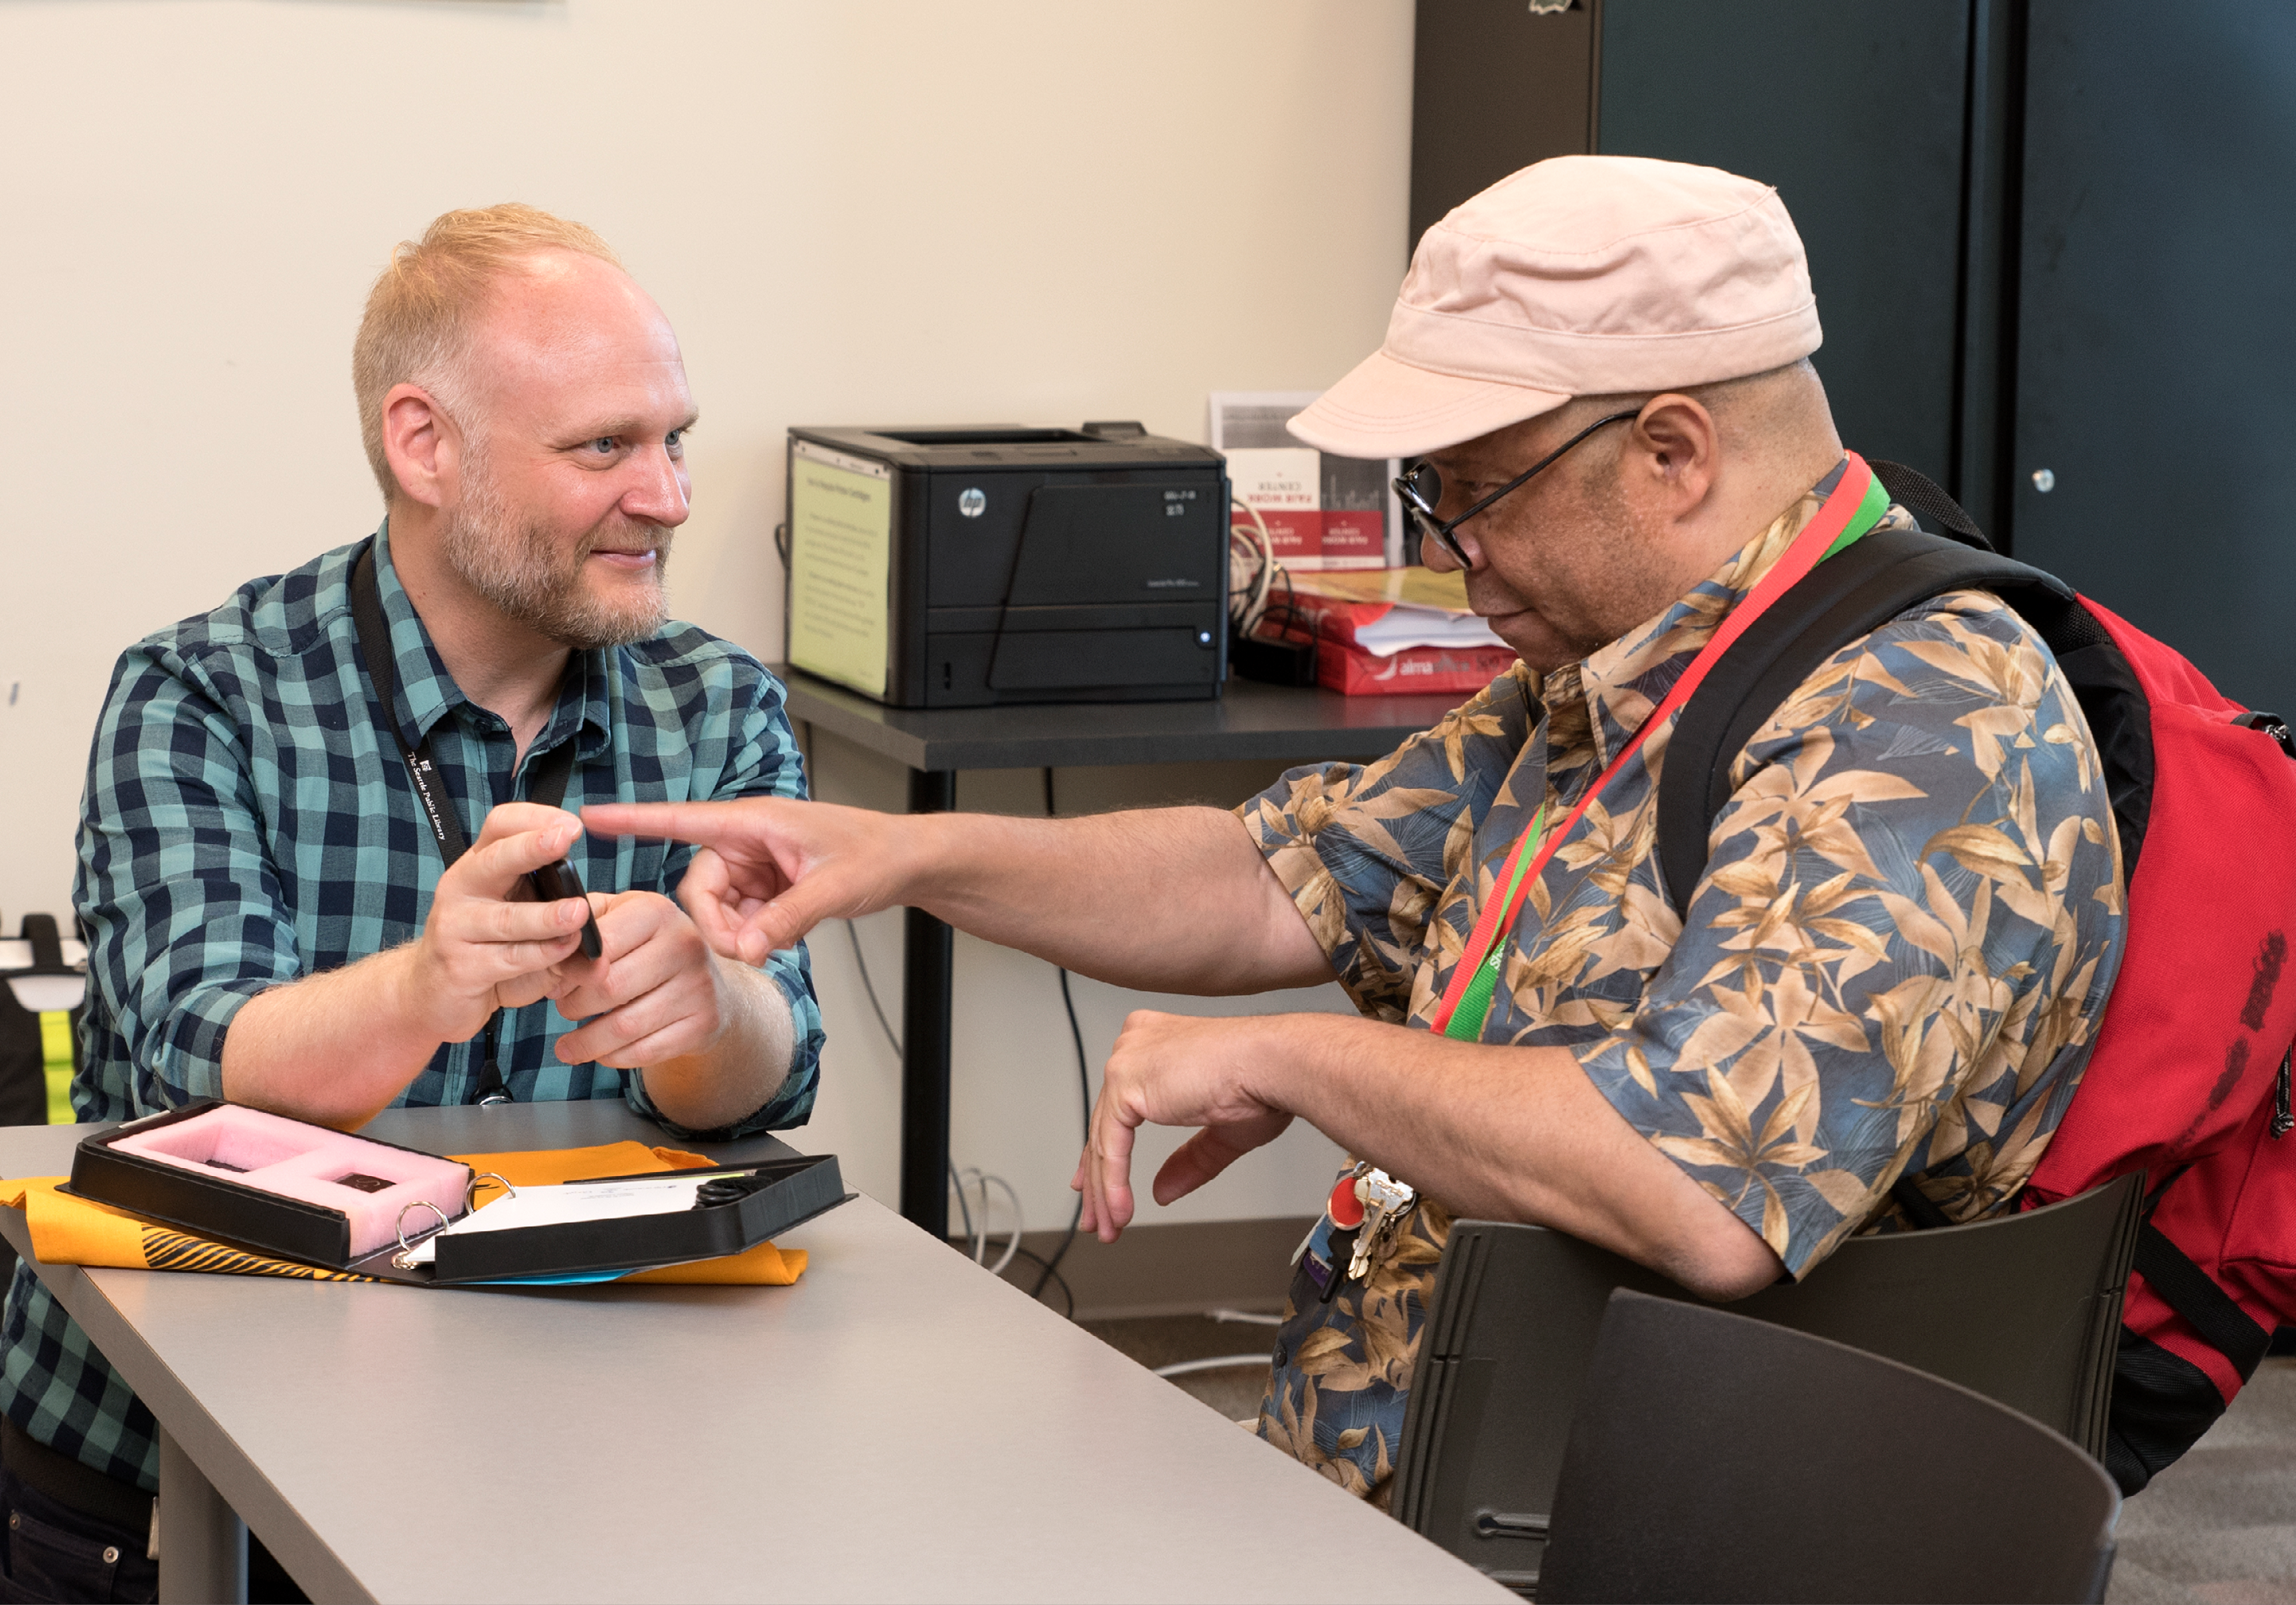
x=1181 y=900
x=1164 y=899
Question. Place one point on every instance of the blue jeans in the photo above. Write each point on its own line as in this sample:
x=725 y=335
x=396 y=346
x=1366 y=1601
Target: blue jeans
x=53 y=1553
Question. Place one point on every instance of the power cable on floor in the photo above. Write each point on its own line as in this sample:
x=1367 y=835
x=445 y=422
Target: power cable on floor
x=1218 y=1362
x=1068 y=1295
x=980 y=1238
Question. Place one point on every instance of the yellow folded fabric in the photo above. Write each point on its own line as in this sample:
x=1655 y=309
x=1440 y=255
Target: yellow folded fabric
x=548 y=1166
x=68 y=1231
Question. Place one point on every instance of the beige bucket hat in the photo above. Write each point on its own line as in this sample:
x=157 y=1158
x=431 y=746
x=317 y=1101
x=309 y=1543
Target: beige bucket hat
x=1581 y=276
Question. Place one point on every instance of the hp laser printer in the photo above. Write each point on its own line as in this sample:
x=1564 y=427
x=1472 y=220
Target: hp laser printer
x=961 y=568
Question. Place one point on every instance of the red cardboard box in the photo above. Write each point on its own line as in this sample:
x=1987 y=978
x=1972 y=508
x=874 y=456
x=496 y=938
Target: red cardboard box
x=1460 y=671
x=1393 y=605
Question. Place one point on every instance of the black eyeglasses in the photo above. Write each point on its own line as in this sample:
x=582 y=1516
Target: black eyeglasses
x=1421 y=490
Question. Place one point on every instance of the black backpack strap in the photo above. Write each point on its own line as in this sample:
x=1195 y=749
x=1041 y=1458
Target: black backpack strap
x=1845 y=598
x=1920 y=1208
x=2193 y=1294
x=1917 y=492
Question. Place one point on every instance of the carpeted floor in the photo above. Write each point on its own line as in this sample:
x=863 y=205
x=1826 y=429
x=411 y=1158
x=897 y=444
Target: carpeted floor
x=1233 y=1390
x=2218 y=1528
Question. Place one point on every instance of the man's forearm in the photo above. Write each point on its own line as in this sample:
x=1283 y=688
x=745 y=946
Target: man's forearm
x=334 y=1048
x=744 y=1068
x=1508 y=1133
x=1163 y=899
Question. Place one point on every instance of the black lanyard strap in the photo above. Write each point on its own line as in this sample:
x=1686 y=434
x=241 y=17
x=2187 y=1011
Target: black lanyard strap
x=551 y=771
x=546 y=784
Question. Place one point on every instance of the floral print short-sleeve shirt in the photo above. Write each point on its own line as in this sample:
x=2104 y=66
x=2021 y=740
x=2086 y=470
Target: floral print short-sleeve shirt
x=1908 y=925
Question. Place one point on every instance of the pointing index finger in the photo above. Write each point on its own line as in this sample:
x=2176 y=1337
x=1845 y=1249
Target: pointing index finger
x=705 y=823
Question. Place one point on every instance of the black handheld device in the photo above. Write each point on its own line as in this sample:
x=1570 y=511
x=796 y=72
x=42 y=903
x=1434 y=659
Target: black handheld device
x=554 y=882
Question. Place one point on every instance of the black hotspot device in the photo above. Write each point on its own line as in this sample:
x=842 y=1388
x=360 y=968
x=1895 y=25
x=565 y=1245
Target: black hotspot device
x=554 y=883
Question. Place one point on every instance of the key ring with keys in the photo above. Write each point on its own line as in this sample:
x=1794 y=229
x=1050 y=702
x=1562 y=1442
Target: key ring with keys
x=1372 y=1205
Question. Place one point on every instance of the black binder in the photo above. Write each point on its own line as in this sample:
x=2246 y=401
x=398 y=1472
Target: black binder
x=767 y=1198
x=737 y=1207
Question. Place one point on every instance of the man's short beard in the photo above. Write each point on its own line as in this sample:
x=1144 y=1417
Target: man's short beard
x=533 y=578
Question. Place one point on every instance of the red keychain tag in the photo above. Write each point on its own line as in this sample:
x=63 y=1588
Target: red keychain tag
x=1347 y=1210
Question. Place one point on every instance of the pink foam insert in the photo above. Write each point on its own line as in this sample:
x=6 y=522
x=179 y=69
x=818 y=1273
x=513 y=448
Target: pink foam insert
x=368 y=1182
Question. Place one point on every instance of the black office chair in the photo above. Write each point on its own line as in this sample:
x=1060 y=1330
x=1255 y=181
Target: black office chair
x=2023 y=1308
x=1774 y=1465
x=23 y=1058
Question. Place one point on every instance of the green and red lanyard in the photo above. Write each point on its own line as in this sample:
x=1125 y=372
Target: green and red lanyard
x=1855 y=505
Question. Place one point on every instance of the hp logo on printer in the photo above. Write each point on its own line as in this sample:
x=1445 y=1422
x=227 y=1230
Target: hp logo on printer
x=973 y=502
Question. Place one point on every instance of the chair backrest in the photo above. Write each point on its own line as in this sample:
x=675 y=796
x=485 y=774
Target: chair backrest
x=1780 y=1466
x=2024 y=1308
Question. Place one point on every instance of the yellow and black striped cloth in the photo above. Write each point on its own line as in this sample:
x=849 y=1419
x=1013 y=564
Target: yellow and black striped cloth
x=164 y=1250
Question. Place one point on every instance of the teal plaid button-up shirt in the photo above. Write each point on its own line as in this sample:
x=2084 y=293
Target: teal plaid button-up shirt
x=248 y=822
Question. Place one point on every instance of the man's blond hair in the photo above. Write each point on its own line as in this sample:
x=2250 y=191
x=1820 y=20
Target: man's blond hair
x=420 y=313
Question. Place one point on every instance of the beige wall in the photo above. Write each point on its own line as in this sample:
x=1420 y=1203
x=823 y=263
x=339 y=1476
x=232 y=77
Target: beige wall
x=853 y=211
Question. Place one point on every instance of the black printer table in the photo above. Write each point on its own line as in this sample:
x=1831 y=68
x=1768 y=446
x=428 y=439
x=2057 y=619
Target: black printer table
x=1252 y=721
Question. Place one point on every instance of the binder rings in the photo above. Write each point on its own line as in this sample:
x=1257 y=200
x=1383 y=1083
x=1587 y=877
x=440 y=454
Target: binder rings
x=277 y=1186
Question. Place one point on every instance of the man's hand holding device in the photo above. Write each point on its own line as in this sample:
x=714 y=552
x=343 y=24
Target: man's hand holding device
x=506 y=930
x=487 y=944
x=654 y=993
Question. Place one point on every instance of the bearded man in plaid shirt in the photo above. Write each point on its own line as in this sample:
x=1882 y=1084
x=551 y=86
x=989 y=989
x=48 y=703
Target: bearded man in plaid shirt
x=270 y=916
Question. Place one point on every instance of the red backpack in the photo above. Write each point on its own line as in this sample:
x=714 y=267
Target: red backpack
x=2189 y=1080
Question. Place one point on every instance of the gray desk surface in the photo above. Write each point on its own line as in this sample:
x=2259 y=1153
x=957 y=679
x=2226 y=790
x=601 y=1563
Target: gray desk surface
x=1251 y=721
x=898 y=1425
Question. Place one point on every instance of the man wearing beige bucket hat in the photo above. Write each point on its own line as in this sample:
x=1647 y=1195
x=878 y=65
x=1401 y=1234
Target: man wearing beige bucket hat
x=1891 y=965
